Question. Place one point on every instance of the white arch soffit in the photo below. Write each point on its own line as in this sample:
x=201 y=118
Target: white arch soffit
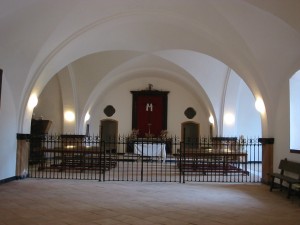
x=285 y=19
x=208 y=71
x=75 y=91
x=201 y=67
x=111 y=80
x=119 y=75
x=88 y=40
x=205 y=69
x=42 y=70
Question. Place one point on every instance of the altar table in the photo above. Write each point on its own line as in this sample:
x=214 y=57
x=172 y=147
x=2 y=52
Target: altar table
x=151 y=150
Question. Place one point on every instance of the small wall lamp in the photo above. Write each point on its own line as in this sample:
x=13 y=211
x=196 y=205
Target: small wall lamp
x=69 y=116
x=33 y=101
x=259 y=105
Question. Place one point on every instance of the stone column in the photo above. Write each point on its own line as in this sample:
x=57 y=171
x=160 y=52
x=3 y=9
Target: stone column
x=22 y=155
x=267 y=158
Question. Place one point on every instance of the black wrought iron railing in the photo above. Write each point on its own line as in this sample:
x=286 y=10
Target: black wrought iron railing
x=145 y=159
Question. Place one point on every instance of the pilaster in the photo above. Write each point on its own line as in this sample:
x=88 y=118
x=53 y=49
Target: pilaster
x=22 y=155
x=267 y=158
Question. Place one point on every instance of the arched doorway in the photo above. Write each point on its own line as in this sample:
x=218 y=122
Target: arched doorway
x=109 y=132
x=190 y=132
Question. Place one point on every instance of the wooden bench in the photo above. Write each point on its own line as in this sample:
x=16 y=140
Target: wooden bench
x=81 y=158
x=290 y=173
x=210 y=160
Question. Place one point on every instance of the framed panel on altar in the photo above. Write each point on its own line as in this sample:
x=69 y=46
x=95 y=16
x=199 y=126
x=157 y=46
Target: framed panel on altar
x=149 y=112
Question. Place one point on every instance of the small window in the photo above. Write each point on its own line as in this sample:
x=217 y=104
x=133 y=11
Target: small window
x=295 y=113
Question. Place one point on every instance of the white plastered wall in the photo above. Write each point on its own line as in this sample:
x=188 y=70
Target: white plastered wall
x=35 y=46
x=121 y=99
x=8 y=127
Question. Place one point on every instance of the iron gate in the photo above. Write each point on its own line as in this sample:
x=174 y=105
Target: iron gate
x=82 y=157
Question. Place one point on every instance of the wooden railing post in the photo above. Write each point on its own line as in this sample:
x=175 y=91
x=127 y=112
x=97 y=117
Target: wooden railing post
x=22 y=156
x=267 y=158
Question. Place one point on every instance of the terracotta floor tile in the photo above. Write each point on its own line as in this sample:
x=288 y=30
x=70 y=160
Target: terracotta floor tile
x=73 y=202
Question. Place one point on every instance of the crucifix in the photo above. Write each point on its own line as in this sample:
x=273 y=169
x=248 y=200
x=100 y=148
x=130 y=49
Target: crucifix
x=149 y=109
x=149 y=128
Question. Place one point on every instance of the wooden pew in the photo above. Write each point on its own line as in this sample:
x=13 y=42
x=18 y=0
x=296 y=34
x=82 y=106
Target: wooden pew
x=207 y=160
x=290 y=173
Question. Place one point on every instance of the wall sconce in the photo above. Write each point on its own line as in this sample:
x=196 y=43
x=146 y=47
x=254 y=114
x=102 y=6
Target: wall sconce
x=229 y=118
x=211 y=125
x=33 y=101
x=87 y=117
x=259 y=105
x=211 y=119
x=69 y=116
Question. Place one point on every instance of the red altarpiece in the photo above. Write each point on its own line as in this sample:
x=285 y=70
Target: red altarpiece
x=149 y=112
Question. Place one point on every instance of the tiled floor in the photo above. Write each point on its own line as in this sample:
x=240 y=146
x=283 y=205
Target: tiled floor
x=62 y=202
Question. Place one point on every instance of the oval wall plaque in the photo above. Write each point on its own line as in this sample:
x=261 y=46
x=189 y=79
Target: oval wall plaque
x=190 y=113
x=109 y=110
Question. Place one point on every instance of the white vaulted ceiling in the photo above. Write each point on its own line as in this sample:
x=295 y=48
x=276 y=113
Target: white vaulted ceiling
x=198 y=39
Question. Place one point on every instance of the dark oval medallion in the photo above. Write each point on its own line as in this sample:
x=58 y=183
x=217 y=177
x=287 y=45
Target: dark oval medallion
x=190 y=113
x=109 y=110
